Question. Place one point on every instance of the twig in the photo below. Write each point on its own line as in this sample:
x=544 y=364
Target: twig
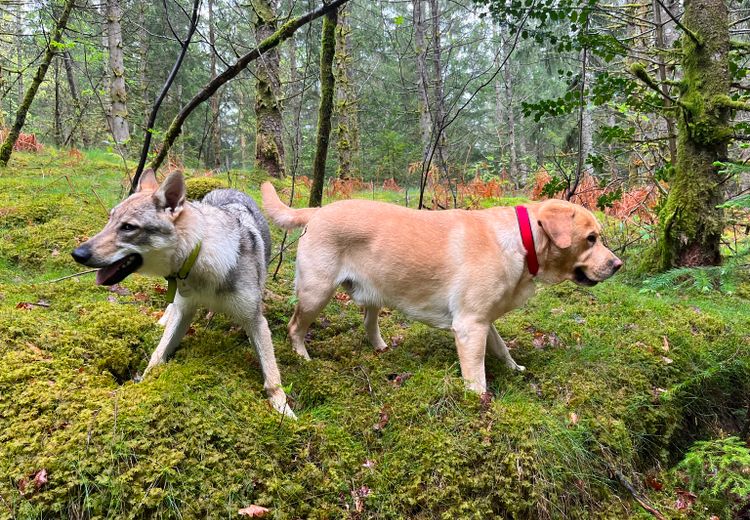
x=106 y=212
x=690 y=33
x=72 y=276
x=638 y=498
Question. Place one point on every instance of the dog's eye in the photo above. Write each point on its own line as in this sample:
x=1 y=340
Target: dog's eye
x=591 y=238
x=128 y=227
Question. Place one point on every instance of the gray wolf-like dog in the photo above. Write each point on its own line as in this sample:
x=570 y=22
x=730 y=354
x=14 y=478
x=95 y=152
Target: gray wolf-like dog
x=215 y=253
x=454 y=269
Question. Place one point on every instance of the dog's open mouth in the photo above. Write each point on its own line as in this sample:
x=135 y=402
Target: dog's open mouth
x=582 y=279
x=119 y=270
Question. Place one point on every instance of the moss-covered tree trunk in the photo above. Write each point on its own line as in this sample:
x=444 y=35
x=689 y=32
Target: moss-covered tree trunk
x=327 y=85
x=7 y=148
x=269 y=145
x=347 y=127
x=690 y=224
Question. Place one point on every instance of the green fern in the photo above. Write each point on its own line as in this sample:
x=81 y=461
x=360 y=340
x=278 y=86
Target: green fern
x=723 y=278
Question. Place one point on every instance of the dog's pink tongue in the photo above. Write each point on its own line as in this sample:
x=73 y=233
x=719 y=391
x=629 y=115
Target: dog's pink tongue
x=105 y=273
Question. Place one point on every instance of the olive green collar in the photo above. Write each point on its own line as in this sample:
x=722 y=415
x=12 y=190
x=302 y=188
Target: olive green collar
x=182 y=273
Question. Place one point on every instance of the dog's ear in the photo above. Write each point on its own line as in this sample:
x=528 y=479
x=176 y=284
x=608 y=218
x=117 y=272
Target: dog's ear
x=171 y=193
x=147 y=182
x=556 y=219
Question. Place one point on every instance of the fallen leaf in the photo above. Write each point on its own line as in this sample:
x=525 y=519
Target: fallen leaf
x=25 y=306
x=22 y=485
x=369 y=464
x=342 y=297
x=359 y=495
x=573 y=418
x=485 y=401
x=667 y=360
x=665 y=344
x=580 y=320
x=160 y=289
x=112 y=298
x=40 y=479
x=55 y=252
x=378 y=426
x=396 y=340
x=141 y=297
x=685 y=500
x=119 y=289
x=542 y=340
x=157 y=315
x=398 y=379
x=653 y=483
x=253 y=511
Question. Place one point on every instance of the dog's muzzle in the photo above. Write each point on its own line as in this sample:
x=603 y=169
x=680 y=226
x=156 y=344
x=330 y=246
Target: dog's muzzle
x=108 y=274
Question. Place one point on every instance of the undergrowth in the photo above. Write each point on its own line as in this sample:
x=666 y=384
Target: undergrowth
x=618 y=382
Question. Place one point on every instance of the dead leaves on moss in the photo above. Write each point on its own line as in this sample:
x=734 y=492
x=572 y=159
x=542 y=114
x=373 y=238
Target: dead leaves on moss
x=254 y=511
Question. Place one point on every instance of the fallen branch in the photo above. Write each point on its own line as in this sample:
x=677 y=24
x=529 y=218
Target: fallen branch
x=638 y=498
x=75 y=275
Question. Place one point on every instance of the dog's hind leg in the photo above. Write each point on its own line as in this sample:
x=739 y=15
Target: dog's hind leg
x=500 y=349
x=471 y=343
x=180 y=316
x=373 y=329
x=260 y=335
x=311 y=300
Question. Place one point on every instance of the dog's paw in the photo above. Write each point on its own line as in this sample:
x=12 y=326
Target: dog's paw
x=519 y=368
x=138 y=377
x=281 y=406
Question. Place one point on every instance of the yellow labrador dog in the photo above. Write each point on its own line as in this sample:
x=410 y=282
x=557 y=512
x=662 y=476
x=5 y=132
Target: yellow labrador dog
x=455 y=269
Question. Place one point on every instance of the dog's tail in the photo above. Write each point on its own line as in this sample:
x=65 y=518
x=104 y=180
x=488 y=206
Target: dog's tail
x=281 y=214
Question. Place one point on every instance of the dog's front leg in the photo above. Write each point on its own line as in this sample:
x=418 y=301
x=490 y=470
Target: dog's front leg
x=500 y=349
x=181 y=313
x=260 y=335
x=471 y=342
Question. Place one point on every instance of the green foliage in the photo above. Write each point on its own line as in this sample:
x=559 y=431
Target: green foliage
x=723 y=278
x=719 y=472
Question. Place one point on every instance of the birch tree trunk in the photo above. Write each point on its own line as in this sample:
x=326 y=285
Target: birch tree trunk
x=215 y=121
x=420 y=47
x=55 y=40
x=269 y=145
x=438 y=119
x=327 y=86
x=660 y=45
x=19 y=52
x=118 y=114
x=347 y=129
x=512 y=147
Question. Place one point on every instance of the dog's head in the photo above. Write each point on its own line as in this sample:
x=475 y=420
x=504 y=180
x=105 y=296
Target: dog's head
x=140 y=234
x=575 y=250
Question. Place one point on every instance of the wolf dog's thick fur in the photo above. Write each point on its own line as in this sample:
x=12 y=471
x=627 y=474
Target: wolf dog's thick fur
x=455 y=269
x=154 y=232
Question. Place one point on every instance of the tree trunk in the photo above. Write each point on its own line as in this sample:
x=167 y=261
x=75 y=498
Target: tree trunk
x=425 y=119
x=438 y=119
x=269 y=145
x=241 y=126
x=7 y=148
x=76 y=98
x=19 y=52
x=118 y=110
x=58 y=115
x=660 y=45
x=690 y=224
x=215 y=126
x=512 y=147
x=327 y=86
x=347 y=129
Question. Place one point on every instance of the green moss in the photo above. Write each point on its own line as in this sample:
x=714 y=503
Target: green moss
x=199 y=187
x=197 y=439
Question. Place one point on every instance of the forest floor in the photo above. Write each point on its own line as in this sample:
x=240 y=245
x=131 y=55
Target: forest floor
x=620 y=384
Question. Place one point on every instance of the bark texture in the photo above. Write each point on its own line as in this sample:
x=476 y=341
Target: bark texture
x=269 y=145
x=327 y=85
x=690 y=222
x=347 y=128
x=118 y=114
x=56 y=38
x=215 y=123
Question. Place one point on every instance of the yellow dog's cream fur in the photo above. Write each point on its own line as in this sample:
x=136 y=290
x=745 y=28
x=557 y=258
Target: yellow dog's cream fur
x=455 y=269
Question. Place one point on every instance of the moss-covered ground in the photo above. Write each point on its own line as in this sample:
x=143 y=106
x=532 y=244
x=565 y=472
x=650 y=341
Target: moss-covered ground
x=619 y=386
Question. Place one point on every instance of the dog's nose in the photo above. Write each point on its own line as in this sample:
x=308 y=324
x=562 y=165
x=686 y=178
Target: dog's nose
x=616 y=264
x=81 y=254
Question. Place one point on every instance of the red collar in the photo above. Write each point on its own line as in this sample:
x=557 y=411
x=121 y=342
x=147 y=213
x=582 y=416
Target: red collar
x=527 y=237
